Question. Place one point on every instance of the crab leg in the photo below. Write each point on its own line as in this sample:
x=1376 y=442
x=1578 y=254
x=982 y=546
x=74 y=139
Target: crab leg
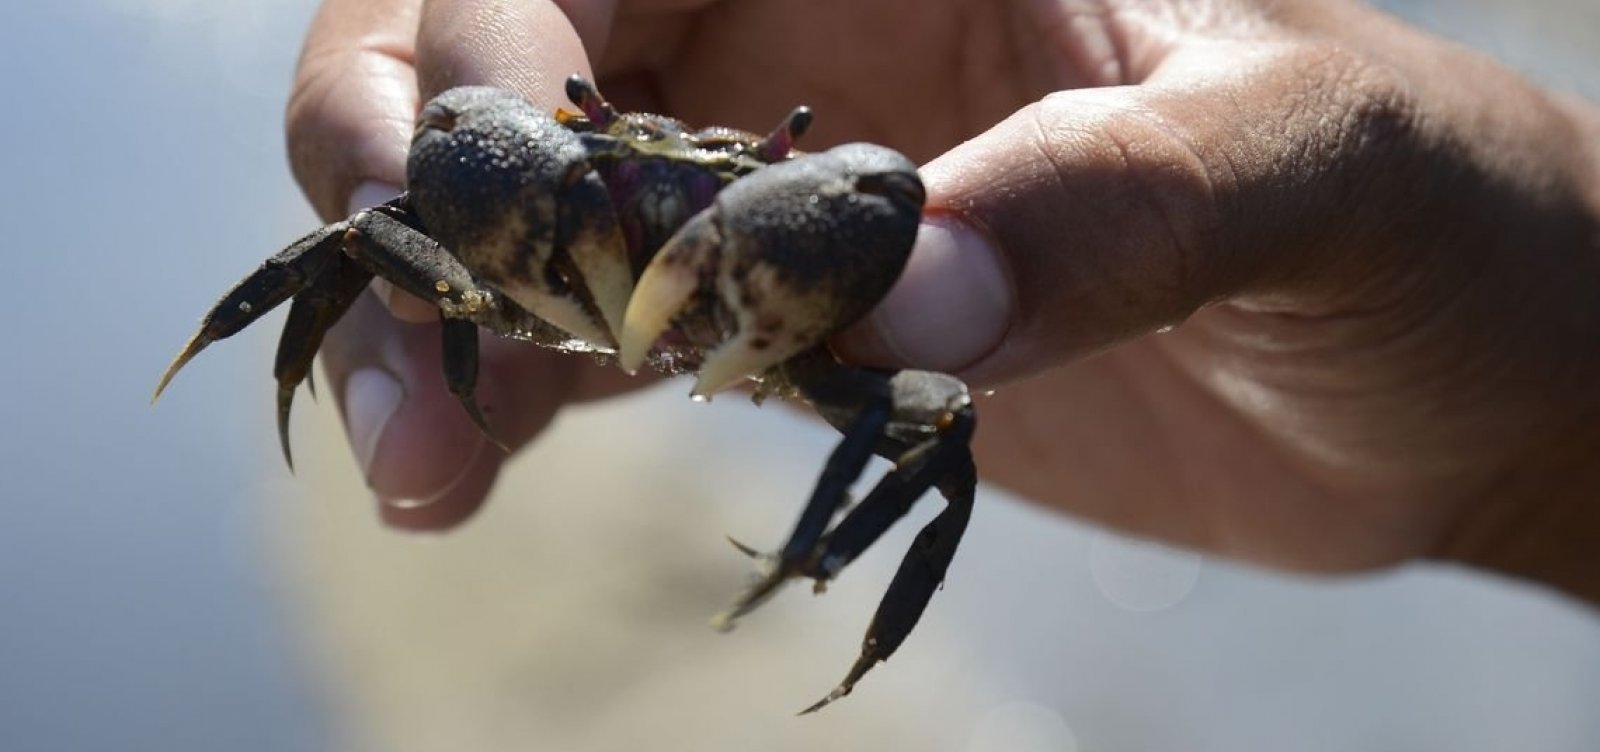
x=314 y=311
x=924 y=566
x=796 y=557
x=459 y=340
x=278 y=278
x=924 y=423
x=325 y=273
x=388 y=241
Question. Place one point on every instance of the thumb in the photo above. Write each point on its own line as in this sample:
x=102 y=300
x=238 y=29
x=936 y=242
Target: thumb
x=1094 y=216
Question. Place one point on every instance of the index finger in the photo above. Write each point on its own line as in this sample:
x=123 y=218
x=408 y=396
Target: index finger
x=350 y=114
x=527 y=47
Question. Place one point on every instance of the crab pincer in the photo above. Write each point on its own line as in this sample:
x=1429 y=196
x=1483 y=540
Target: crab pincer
x=783 y=259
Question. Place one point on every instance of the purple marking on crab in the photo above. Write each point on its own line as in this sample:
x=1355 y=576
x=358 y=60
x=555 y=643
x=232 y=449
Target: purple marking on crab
x=653 y=198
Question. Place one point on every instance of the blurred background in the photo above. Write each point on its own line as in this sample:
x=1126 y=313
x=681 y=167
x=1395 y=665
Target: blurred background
x=165 y=584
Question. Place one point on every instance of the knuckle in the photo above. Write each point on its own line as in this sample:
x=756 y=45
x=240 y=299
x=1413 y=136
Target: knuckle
x=1161 y=182
x=1363 y=111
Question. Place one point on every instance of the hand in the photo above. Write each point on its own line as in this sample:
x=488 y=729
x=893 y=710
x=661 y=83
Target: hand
x=1379 y=252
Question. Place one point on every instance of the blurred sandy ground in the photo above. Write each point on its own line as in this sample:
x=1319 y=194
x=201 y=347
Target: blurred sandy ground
x=571 y=614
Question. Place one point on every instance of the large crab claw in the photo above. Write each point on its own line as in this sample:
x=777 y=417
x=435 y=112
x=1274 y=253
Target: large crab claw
x=783 y=259
x=538 y=220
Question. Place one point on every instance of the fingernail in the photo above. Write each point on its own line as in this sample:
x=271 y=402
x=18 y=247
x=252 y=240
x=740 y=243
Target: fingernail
x=371 y=397
x=383 y=291
x=952 y=305
x=441 y=492
x=371 y=193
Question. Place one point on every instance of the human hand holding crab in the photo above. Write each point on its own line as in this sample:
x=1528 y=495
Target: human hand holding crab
x=1379 y=252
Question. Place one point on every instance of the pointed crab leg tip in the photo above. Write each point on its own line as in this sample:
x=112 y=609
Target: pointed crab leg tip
x=493 y=440
x=283 y=441
x=285 y=402
x=475 y=414
x=745 y=549
x=190 y=349
x=824 y=702
x=723 y=622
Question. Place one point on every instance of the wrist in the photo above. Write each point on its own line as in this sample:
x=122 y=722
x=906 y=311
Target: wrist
x=1539 y=521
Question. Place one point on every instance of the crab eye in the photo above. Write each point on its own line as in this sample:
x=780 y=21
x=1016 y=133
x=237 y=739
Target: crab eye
x=896 y=186
x=436 y=117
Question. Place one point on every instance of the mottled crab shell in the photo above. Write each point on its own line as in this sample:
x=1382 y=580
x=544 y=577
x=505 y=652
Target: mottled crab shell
x=755 y=264
x=512 y=194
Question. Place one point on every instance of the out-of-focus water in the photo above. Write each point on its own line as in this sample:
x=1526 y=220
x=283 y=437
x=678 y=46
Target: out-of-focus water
x=139 y=608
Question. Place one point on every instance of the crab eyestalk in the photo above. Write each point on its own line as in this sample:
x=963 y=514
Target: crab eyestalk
x=595 y=107
x=777 y=145
x=783 y=259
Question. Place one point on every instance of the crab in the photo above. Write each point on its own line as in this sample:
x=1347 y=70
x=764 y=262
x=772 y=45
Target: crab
x=631 y=237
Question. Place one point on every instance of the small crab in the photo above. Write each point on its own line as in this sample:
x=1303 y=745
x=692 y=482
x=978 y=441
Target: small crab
x=634 y=238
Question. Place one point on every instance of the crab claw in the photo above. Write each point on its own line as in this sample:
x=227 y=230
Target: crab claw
x=511 y=192
x=783 y=259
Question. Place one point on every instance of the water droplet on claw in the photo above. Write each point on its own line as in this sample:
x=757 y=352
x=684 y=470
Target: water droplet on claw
x=989 y=392
x=701 y=398
x=1167 y=328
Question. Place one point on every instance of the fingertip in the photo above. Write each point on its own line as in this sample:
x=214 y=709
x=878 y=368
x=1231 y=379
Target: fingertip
x=451 y=506
x=425 y=450
x=411 y=437
x=425 y=461
x=371 y=397
x=951 y=307
x=528 y=47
